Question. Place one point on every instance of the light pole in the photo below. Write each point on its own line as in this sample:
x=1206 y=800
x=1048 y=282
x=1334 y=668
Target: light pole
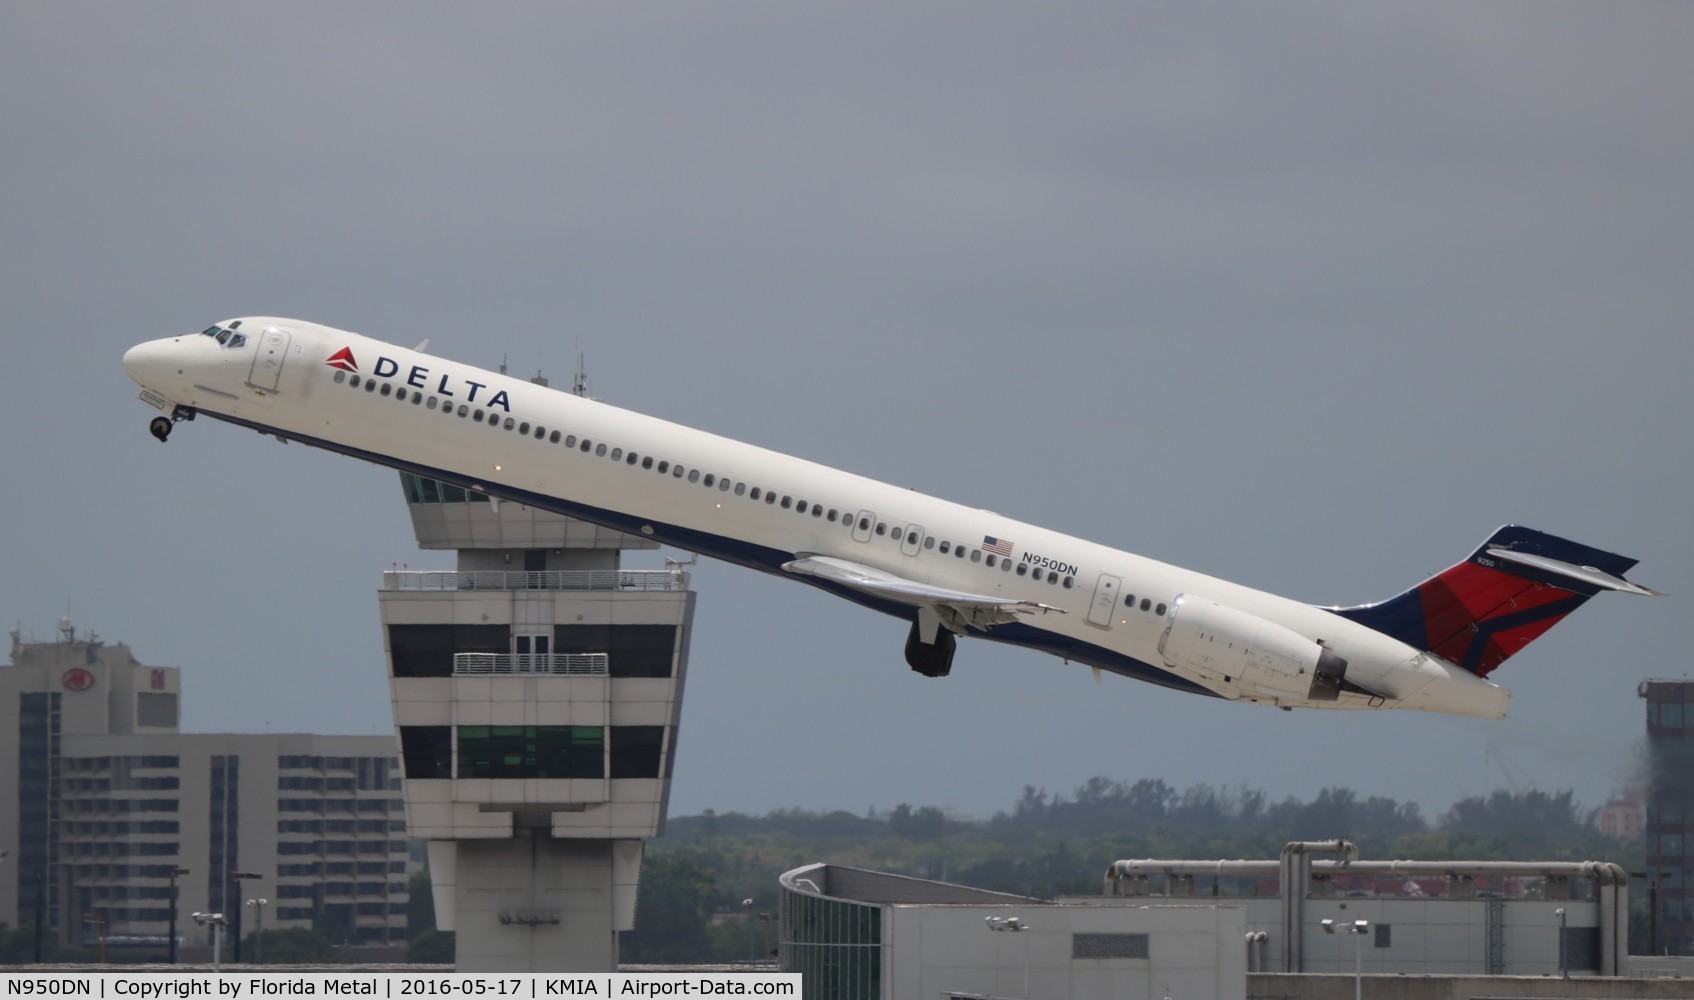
x=98 y=921
x=175 y=873
x=1358 y=929
x=1564 y=965
x=1014 y=925
x=258 y=905
x=217 y=921
x=238 y=878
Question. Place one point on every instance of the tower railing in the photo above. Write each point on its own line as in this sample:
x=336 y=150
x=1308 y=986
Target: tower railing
x=611 y=579
x=477 y=664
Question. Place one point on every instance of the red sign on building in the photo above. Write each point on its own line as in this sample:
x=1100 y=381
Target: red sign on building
x=77 y=679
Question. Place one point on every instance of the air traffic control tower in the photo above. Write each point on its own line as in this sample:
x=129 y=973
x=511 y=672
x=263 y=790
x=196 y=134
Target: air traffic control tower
x=536 y=690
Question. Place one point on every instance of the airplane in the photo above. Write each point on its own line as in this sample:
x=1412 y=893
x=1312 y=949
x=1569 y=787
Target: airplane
x=947 y=569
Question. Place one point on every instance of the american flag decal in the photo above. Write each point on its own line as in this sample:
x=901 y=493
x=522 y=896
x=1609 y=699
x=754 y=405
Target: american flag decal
x=998 y=546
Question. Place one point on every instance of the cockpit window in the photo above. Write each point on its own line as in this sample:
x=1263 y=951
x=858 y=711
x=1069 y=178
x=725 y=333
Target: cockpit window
x=227 y=338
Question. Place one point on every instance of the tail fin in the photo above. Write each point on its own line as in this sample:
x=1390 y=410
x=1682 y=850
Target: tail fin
x=1517 y=585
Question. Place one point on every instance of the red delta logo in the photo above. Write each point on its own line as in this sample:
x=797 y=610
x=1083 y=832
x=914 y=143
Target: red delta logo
x=77 y=679
x=343 y=359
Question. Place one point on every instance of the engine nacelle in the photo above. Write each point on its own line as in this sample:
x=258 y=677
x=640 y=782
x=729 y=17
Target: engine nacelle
x=1245 y=656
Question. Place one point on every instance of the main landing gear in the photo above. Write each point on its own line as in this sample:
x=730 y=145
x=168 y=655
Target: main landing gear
x=160 y=427
x=932 y=659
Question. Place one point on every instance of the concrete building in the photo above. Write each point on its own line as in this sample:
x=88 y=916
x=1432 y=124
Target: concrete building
x=1423 y=917
x=1670 y=813
x=537 y=689
x=106 y=798
x=859 y=934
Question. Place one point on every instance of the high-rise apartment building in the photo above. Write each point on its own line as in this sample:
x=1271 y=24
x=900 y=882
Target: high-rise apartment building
x=1670 y=812
x=107 y=809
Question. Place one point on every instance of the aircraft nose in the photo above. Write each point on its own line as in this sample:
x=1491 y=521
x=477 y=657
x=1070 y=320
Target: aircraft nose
x=135 y=362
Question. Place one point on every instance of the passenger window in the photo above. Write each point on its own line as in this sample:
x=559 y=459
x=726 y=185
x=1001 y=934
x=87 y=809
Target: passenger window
x=355 y=381
x=617 y=453
x=1068 y=581
x=990 y=561
x=693 y=475
x=340 y=377
x=387 y=390
x=740 y=489
x=724 y=485
x=881 y=527
x=817 y=511
x=832 y=515
x=756 y=494
x=417 y=397
x=508 y=425
x=976 y=555
x=553 y=438
x=1160 y=611
x=1147 y=605
x=370 y=385
x=800 y=508
x=477 y=416
x=895 y=534
x=647 y=463
x=1023 y=569
x=929 y=542
x=430 y=404
x=770 y=497
x=864 y=524
x=664 y=467
x=1005 y=565
x=633 y=458
x=1129 y=602
x=600 y=451
x=1052 y=577
x=540 y=432
x=523 y=428
x=464 y=411
x=945 y=546
x=787 y=502
x=677 y=471
x=709 y=479
x=958 y=551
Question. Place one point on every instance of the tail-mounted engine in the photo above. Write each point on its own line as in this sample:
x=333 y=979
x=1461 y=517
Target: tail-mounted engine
x=1246 y=656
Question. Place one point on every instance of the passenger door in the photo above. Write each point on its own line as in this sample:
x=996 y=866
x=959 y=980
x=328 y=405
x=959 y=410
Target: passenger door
x=268 y=357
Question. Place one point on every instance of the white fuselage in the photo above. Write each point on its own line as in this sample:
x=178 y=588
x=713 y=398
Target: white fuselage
x=525 y=442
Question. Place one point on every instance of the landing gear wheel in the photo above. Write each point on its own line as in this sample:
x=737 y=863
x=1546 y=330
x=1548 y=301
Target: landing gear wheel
x=160 y=428
x=930 y=659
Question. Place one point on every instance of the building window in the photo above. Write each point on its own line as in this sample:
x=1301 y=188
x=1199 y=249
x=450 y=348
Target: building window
x=1109 y=946
x=427 y=751
x=531 y=752
x=637 y=751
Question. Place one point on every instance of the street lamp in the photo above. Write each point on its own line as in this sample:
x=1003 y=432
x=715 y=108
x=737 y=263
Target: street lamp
x=175 y=873
x=238 y=878
x=1564 y=965
x=258 y=906
x=217 y=921
x=99 y=921
x=1017 y=926
x=1358 y=928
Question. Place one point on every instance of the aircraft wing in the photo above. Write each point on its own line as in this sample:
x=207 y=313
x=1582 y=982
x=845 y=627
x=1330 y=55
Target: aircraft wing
x=957 y=608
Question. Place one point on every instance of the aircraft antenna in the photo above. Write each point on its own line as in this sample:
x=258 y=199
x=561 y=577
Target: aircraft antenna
x=579 y=385
x=502 y=364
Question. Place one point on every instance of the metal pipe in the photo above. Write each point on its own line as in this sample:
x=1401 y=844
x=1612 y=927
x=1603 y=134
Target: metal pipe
x=1295 y=881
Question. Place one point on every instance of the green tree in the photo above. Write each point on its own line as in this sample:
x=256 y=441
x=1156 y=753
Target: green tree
x=432 y=947
x=677 y=894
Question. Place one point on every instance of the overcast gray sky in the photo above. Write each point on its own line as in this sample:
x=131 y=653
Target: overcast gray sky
x=1312 y=297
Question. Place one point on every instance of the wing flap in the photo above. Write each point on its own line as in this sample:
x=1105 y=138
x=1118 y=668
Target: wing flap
x=956 y=607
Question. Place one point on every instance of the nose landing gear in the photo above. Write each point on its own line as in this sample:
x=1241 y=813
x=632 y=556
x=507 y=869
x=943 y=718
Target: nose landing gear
x=160 y=427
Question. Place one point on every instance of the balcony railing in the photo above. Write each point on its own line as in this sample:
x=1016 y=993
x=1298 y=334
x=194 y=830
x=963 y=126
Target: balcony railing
x=611 y=579
x=482 y=664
